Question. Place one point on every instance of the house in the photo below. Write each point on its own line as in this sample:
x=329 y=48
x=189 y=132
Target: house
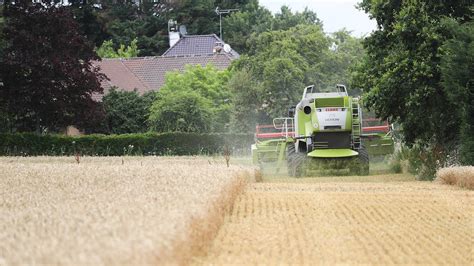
x=199 y=45
x=148 y=73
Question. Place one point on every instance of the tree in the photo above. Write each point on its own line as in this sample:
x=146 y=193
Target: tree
x=281 y=63
x=345 y=54
x=127 y=111
x=401 y=72
x=87 y=14
x=457 y=68
x=246 y=93
x=210 y=84
x=284 y=62
x=182 y=111
x=286 y=19
x=106 y=50
x=253 y=19
x=126 y=22
x=4 y=118
x=239 y=26
x=48 y=77
x=147 y=20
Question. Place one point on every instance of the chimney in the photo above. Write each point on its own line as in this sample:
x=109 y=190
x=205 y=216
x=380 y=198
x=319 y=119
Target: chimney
x=218 y=46
x=173 y=32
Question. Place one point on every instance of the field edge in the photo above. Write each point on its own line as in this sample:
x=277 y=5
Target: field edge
x=202 y=231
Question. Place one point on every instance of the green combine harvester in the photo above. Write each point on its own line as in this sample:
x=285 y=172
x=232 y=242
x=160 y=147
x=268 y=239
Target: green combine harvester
x=322 y=133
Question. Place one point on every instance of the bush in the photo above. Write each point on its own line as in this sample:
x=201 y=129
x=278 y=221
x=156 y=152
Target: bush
x=396 y=166
x=194 y=100
x=127 y=111
x=175 y=143
x=181 y=111
x=424 y=160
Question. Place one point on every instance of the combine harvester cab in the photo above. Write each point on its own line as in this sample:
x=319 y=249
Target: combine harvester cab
x=323 y=133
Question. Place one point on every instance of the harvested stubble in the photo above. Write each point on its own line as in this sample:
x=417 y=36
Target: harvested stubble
x=346 y=223
x=144 y=211
x=462 y=176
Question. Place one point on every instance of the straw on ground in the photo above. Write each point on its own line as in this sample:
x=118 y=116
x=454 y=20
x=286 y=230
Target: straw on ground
x=312 y=222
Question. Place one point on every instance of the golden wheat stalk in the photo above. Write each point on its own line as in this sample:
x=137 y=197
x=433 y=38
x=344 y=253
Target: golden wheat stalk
x=150 y=210
x=462 y=176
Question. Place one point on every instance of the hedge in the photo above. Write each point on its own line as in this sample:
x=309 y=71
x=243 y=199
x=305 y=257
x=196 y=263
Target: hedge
x=28 y=144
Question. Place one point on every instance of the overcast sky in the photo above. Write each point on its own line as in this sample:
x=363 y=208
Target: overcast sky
x=335 y=14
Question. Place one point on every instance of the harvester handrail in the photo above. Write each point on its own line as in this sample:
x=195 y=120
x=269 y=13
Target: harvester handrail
x=288 y=122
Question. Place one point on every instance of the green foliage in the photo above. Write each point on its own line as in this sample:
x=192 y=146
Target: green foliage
x=423 y=160
x=245 y=101
x=3 y=42
x=126 y=22
x=401 y=73
x=5 y=124
x=198 y=16
x=129 y=144
x=417 y=75
x=196 y=100
x=254 y=19
x=147 y=22
x=344 y=55
x=286 y=19
x=239 y=26
x=208 y=81
x=127 y=111
x=91 y=24
x=457 y=66
x=284 y=62
x=181 y=111
x=396 y=167
x=279 y=60
x=106 y=50
x=467 y=136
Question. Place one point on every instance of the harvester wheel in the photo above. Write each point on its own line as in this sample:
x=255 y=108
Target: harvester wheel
x=290 y=156
x=361 y=167
x=295 y=161
x=364 y=161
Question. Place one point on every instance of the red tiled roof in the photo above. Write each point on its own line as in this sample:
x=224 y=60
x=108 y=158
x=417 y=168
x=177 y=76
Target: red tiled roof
x=119 y=73
x=148 y=73
x=196 y=45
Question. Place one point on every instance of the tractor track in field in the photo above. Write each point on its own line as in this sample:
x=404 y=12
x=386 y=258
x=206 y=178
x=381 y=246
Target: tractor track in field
x=341 y=222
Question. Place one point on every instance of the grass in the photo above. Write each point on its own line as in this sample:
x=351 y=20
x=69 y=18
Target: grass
x=462 y=176
x=113 y=210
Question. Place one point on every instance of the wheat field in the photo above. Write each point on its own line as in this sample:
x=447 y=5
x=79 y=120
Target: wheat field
x=315 y=221
x=462 y=176
x=196 y=210
x=109 y=211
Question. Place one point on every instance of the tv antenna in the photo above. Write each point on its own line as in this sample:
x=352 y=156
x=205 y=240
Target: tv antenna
x=219 y=12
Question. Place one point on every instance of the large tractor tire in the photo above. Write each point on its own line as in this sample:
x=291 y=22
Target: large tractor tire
x=361 y=165
x=364 y=161
x=295 y=161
